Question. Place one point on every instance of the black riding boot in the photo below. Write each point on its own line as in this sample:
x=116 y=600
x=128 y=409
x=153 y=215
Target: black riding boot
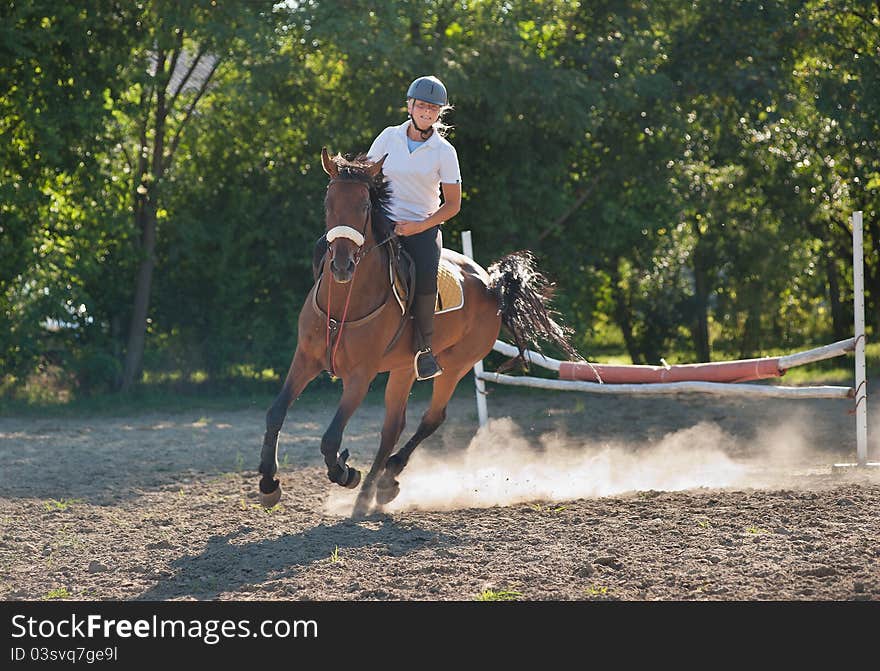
x=425 y=364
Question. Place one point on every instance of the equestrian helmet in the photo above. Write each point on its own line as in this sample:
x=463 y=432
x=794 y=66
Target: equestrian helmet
x=430 y=89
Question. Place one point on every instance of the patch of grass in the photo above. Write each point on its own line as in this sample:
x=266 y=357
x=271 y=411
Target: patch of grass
x=334 y=556
x=596 y=590
x=500 y=595
x=64 y=542
x=159 y=399
x=63 y=504
x=756 y=530
x=176 y=393
x=67 y=538
x=59 y=593
x=52 y=394
x=548 y=509
x=648 y=494
x=704 y=524
x=839 y=374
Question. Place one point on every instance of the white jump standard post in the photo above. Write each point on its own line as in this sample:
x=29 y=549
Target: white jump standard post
x=482 y=410
x=861 y=389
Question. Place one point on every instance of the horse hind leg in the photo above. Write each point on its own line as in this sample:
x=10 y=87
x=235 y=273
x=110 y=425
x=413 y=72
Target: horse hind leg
x=302 y=371
x=388 y=487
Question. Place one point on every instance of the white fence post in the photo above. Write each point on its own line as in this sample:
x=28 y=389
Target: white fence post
x=861 y=396
x=482 y=409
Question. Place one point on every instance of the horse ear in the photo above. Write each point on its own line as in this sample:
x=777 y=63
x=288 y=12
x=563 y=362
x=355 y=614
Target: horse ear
x=374 y=169
x=329 y=166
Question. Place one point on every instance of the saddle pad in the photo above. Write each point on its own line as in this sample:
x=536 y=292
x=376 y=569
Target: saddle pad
x=450 y=290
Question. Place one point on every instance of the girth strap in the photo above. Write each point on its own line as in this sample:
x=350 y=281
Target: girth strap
x=350 y=323
x=335 y=325
x=393 y=259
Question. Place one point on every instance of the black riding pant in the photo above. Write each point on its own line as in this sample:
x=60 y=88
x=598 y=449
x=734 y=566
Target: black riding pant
x=424 y=248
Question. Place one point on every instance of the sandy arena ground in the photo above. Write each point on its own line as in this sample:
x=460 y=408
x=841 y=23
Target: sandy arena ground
x=563 y=496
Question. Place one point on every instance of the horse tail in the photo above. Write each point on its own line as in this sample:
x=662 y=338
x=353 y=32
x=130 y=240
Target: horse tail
x=524 y=295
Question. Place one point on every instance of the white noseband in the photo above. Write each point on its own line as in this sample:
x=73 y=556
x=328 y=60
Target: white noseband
x=345 y=232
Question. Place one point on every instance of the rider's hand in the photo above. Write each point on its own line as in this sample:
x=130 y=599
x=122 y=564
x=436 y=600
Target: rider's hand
x=405 y=228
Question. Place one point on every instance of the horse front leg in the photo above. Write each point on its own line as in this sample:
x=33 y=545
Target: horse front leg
x=396 y=396
x=303 y=369
x=354 y=389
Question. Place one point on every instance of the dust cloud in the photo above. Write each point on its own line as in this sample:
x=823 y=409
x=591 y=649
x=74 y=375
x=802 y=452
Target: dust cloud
x=502 y=467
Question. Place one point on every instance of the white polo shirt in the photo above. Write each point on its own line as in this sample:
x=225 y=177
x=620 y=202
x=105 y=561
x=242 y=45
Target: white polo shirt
x=415 y=177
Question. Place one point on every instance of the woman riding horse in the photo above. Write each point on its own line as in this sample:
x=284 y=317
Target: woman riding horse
x=420 y=162
x=351 y=325
x=350 y=322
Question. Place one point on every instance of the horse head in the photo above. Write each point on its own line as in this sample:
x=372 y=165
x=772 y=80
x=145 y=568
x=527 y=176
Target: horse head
x=348 y=211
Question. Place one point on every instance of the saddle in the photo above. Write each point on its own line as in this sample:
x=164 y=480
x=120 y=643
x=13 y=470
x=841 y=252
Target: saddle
x=402 y=274
x=450 y=289
x=401 y=270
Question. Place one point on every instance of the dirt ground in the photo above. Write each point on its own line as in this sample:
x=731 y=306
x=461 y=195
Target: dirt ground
x=564 y=496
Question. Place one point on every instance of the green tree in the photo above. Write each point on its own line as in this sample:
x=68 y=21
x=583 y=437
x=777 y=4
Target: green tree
x=58 y=65
x=180 y=49
x=839 y=74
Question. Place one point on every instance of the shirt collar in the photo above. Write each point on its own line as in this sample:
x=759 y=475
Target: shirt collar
x=431 y=140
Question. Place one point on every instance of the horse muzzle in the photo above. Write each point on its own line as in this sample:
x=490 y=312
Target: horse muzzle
x=342 y=271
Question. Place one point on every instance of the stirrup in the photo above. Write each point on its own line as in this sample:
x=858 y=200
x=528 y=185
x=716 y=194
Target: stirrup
x=429 y=367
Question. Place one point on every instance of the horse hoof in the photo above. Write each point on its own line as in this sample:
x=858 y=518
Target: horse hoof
x=387 y=494
x=354 y=478
x=361 y=510
x=272 y=498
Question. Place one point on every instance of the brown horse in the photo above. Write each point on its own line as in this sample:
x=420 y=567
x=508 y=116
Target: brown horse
x=350 y=318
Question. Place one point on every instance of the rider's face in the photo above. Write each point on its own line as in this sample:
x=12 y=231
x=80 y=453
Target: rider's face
x=424 y=113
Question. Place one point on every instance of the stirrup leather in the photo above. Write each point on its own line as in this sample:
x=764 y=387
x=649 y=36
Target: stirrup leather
x=431 y=371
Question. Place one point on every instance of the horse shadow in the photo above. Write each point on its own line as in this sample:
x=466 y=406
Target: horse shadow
x=225 y=566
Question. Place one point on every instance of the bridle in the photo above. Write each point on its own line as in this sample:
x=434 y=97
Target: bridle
x=358 y=238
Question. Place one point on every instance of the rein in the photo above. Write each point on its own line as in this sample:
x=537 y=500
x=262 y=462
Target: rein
x=341 y=323
x=332 y=348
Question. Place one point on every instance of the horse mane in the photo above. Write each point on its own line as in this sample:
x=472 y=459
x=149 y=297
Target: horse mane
x=354 y=169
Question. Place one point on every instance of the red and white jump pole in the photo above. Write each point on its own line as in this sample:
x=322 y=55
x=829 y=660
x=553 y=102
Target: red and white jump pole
x=705 y=378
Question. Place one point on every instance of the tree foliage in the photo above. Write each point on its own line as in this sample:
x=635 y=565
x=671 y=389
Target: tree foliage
x=685 y=170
